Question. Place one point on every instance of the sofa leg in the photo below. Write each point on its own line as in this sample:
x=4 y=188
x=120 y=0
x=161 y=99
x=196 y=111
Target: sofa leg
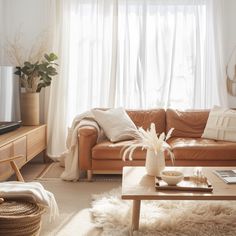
x=89 y=175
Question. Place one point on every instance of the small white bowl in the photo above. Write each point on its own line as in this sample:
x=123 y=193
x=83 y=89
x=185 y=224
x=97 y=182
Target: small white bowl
x=172 y=177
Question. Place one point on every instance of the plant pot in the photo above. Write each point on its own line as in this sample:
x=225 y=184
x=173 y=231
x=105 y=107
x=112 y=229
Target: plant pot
x=155 y=162
x=30 y=108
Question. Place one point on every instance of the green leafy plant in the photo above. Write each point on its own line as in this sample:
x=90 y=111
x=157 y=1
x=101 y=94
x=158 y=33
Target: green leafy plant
x=35 y=76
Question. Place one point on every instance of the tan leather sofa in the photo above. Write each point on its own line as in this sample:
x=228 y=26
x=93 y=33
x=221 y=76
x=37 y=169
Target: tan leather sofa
x=186 y=142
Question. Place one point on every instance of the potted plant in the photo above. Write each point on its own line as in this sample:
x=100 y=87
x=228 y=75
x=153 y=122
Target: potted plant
x=34 y=77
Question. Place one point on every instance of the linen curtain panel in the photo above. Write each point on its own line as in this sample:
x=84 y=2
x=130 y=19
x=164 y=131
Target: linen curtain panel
x=135 y=54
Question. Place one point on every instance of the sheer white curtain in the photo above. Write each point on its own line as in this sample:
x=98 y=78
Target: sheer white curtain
x=136 y=54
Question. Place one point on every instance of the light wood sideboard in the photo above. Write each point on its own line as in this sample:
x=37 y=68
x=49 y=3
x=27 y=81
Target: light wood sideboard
x=27 y=141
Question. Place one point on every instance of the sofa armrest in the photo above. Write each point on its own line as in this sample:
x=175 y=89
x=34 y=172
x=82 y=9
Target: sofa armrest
x=87 y=139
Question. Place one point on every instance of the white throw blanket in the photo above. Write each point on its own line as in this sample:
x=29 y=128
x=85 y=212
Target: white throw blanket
x=71 y=172
x=32 y=192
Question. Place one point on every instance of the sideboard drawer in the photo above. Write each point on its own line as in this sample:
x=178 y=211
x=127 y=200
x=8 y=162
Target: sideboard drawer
x=5 y=168
x=36 y=142
x=19 y=148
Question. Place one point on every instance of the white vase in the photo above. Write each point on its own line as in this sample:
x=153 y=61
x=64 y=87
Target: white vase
x=155 y=162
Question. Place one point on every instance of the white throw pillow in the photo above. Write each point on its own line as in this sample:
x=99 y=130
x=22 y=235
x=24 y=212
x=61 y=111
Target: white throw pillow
x=116 y=124
x=221 y=125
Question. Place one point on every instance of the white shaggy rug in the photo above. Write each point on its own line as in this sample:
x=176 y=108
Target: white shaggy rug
x=164 y=218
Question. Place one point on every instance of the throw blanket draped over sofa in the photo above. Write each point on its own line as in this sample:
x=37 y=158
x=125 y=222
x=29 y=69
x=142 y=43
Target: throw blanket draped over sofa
x=70 y=157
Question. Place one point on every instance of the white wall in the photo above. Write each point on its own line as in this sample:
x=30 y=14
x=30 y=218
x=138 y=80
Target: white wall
x=1 y=29
x=229 y=14
x=25 y=20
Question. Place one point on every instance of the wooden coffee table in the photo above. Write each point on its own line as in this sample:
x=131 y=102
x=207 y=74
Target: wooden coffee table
x=137 y=186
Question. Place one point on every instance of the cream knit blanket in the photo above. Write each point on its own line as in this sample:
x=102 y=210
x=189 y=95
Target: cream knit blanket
x=70 y=156
x=32 y=192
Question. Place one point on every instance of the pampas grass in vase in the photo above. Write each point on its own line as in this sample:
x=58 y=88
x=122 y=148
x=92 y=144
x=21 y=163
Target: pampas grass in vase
x=155 y=146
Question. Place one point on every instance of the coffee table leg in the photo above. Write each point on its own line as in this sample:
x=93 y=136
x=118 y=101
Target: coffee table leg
x=135 y=214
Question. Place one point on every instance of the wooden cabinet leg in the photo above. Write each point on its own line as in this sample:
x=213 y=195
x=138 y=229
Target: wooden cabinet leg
x=46 y=159
x=89 y=175
x=15 y=168
x=135 y=214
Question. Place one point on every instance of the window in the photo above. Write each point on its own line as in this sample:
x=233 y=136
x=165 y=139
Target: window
x=137 y=54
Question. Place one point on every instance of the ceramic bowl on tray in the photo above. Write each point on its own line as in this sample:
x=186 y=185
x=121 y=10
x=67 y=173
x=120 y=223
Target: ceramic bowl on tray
x=172 y=177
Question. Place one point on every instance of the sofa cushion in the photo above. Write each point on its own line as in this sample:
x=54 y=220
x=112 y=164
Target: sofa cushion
x=202 y=149
x=110 y=151
x=221 y=125
x=186 y=123
x=116 y=124
x=143 y=118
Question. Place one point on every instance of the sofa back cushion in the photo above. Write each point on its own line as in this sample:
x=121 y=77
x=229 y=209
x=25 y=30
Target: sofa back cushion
x=221 y=124
x=143 y=118
x=116 y=123
x=186 y=123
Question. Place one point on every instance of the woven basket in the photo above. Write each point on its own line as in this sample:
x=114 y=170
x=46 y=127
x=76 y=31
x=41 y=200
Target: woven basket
x=20 y=218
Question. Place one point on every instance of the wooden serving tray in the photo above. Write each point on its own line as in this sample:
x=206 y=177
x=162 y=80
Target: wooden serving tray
x=187 y=184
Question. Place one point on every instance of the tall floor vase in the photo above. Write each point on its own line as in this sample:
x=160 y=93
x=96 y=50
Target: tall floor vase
x=155 y=162
x=30 y=108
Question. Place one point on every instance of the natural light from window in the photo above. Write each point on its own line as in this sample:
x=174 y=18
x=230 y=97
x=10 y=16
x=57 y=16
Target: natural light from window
x=136 y=55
